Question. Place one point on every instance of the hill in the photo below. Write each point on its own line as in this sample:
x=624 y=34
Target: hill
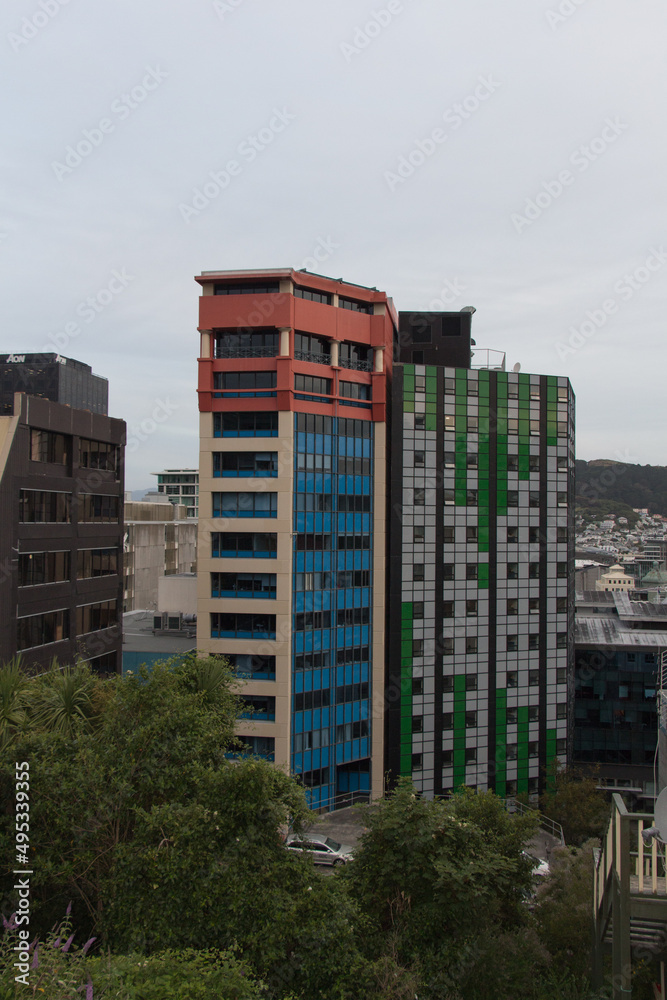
x=606 y=486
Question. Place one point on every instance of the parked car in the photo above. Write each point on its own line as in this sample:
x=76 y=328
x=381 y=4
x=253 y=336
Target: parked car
x=323 y=850
x=540 y=867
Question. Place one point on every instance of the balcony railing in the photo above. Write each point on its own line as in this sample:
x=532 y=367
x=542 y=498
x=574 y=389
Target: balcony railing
x=356 y=366
x=318 y=359
x=246 y=352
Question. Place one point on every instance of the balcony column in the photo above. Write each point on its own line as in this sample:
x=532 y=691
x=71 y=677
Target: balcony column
x=335 y=345
x=205 y=344
x=284 y=341
x=379 y=359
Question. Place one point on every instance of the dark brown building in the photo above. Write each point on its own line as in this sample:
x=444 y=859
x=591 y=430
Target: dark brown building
x=61 y=511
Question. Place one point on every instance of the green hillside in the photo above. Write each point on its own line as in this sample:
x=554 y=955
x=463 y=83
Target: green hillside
x=604 y=486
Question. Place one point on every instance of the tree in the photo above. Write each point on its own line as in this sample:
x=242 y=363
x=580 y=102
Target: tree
x=564 y=909
x=576 y=804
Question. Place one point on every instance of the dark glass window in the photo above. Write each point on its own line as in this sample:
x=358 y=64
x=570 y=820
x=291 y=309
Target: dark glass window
x=47 y=446
x=248 y=288
x=311 y=383
x=359 y=307
x=98 y=507
x=41 y=506
x=308 y=347
x=312 y=296
x=36 y=568
x=91 y=563
x=354 y=390
x=99 y=455
x=93 y=617
x=246 y=544
x=39 y=630
x=243 y=626
x=245 y=343
x=244 y=380
x=261 y=424
x=252 y=666
x=245 y=463
x=245 y=504
x=262 y=585
x=355 y=357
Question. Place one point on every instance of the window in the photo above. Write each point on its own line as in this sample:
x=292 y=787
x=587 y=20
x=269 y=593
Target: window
x=99 y=455
x=448 y=683
x=513 y=606
x=533 y=571
x=448 y=609
x=312 y=383
x=47 y=446
x=472 y=425
x=91 y=563
x=534 y=391
x=36 y=568
x=450 y=386
x=448 y=534
x=512 y=533
x=561 y=570
x=534 y=498
x=420 y=421
x=100 y=508
x=250 y=288
x=471 y=720
x=41 y=507
x=471 y=460
x=471 y=609
x=471 y=534
x=447 y=720
x=246 y=383
x=417 y=723
x=450 y=422
x=512 y=679
x=447 y=644
x=511 y=751
x=310 y=542
x=533 y=713
x=93 y=617
x=561 y=675
x=417 y=686
x=561 y=640
x=561 y=534
x=353 y=390
x=419 y=496
x=512 y=463
x=471 y=755
x=248 y=585
x=512 y=571
x=418 y=572
x=262 y=424
x=237 y=464
x=39 y=630
x=471 y=571
x=312 y=296
x=416 y=762
x=308 y=347
x=512 y=498
x=561 y=463
x=533 y=678
x=534 y=641
x=471 y=498
x=512 y=716
x=242 y=626
x=512 y=643
x=561 y=605
x=533 y=748
x=450 y=459
x=512 y=425
x=418 y=610
x=420 y=458
x=533 y=605
x=259 y=746
x=561 y=428
x=447 y=757
x=351 y=542
x=245 y=544
x=534 y=427
x=346 y=502
x=449 y=497
x=344 y=616
x=471 y=681
x=471 y=644
x=245 y=343
x=354 y=356
x=533 y=463
x=533 y=536
x=245 y=504
x=418 y=534
x=561 y=710
x=561 y=499
x=251 y=666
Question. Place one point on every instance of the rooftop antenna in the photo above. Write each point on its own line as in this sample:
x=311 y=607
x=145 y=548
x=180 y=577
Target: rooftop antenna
x=517 y=367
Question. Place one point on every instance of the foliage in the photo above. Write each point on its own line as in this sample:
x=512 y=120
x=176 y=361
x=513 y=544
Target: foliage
x=564 y=909
x=430 y=876
x=576 y=804
x=619 y=483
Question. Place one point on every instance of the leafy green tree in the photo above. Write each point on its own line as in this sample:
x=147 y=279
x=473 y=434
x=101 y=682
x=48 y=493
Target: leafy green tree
x=575 y=802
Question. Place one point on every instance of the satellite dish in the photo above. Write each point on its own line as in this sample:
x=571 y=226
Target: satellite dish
x=517 y=367
x=660 y=815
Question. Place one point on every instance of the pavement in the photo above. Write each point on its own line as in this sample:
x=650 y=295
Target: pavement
x=347 y=825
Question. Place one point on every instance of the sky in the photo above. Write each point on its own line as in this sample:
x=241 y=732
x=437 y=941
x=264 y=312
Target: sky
x=508 y=156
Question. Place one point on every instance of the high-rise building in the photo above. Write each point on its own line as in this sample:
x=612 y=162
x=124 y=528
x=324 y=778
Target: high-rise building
x=181 y=486
x=54 y=377
x=293 y=381
x=481 y=575
x=61 y=505
x=409 y=604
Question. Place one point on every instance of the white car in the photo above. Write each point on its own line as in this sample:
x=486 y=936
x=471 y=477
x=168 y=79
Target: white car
x=323 y=850
x=540 y=867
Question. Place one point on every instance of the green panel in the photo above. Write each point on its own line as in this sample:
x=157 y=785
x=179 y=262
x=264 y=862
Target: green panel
x=408 y=406
x=483 y=539
x=430 y=423
x=461 y=497
x=483 y=576
x=431 y=373
x=408 y=370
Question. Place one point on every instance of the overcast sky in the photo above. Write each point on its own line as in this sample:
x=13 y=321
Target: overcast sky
x=506 y=155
